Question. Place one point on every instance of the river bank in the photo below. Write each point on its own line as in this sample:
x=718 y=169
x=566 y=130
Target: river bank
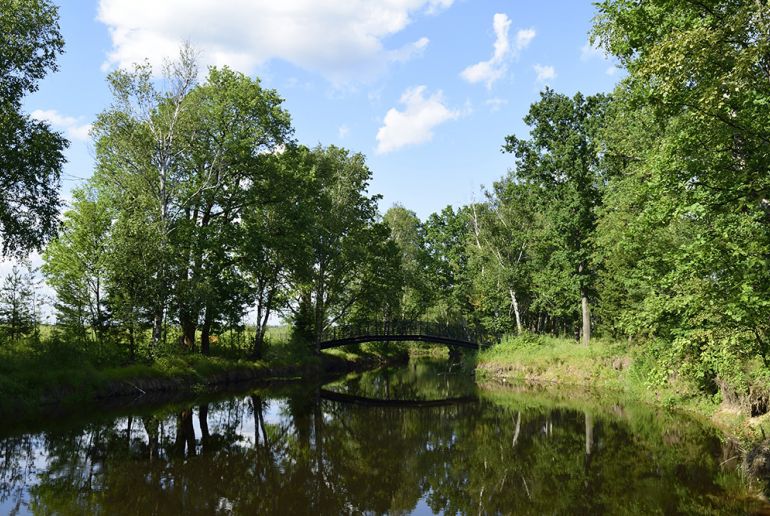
x=41 y=386
x=612 y=366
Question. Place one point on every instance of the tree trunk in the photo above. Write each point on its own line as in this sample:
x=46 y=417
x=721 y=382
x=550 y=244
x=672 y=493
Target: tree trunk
x=586 y=317
x=319 y=312
x=131 y=342
x=157 y=328
x=263 y=316
x=188 y=329
x=206 y=332
x=516 y=312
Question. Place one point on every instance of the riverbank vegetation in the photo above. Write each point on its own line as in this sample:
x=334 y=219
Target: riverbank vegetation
x=641 y=217
x=616 y=369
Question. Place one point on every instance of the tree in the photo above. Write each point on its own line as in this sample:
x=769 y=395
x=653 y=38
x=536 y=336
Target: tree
x=446 y=237
x=76 y=264
x=271 y=238
x=31 y=154
x=18 y=302
x=562 y=160
x=235 y=127
x=140 y=143
x=337 y=241
x=504 y=230
x=408 y=233
x=691 y=205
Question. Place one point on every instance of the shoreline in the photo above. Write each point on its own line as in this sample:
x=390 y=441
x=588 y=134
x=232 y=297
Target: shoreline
x=729 y=420
x=606 y=371
x=196 y=375
x=610 y=367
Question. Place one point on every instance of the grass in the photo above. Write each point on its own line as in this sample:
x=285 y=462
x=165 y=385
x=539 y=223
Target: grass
x=614 y=366
x=33 y=374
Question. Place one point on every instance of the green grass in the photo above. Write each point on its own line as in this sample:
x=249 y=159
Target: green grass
x=35 y=373
x=548 y=359
x=612 y=366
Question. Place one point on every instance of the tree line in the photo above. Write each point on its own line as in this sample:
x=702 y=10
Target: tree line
x=641 y=215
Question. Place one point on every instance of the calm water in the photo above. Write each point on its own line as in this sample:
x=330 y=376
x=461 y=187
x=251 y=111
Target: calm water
x=441 y=444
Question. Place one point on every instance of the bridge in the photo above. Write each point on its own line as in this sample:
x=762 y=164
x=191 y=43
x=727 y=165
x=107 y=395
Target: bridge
x=456 y=335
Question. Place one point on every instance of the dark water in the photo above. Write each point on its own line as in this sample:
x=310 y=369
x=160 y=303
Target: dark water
x=440 y=445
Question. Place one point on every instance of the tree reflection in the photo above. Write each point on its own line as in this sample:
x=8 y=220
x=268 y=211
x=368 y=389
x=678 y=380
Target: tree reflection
x=296 y=453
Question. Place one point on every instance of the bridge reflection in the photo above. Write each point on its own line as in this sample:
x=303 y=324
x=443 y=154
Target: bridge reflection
x=379 y=402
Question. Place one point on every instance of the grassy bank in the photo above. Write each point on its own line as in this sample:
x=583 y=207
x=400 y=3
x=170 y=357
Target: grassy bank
x=33 y=378
x=616 y=366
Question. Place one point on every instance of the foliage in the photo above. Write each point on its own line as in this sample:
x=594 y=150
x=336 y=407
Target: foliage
x=684 y=234
x=31 y=154
x=18 y=303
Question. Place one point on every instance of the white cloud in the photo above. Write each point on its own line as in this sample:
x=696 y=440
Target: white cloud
x=524 y=37
x=494 y=68
x=612 y=70
x=496 y=104
x=409 y=51
x=71 y=126
x=544 y=73
x=343 y=131
x=341 y=40
x=415 y=124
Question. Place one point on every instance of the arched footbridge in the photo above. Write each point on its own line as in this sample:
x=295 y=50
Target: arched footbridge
x=456 y=335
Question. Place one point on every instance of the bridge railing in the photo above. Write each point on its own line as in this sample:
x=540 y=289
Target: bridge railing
x=404 y=327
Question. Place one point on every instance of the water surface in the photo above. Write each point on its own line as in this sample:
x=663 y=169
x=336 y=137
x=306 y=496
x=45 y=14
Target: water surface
x=422 y=438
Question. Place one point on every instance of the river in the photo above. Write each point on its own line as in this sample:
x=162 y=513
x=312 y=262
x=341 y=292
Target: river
x=423 y=438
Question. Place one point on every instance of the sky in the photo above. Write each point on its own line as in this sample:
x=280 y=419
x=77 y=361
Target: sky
x=426 y=89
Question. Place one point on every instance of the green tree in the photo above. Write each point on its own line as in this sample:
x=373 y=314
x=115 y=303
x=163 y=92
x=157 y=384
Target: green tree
x=446 y=237
x=140 y=143
x=691 y=203
x=408 y=233
x=562 y=160
x=18 y=302
x=504 y=230
x=31 y=154
x=337 y=240
x=235 y=126
x=76 y=265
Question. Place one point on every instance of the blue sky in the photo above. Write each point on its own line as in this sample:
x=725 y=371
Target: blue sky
x=427 y=89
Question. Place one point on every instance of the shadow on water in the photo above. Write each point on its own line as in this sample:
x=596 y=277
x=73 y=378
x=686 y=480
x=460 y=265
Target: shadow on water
x=421 y=438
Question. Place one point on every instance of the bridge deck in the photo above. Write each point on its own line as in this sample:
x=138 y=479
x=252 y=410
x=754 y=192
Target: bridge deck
x=400 y=331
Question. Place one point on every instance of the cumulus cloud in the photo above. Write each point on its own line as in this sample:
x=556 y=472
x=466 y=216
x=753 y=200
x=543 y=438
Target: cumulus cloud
x=72 y=128
x=415 y=124
x=495 y=67
x=343 y=131
x=341 y=40
x=544 y=73
x=524 y=37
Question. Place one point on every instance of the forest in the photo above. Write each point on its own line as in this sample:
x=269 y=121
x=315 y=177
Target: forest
x=640 y=217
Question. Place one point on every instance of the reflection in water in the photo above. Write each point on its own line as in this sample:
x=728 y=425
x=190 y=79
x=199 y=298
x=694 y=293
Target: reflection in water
x=290 y=451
